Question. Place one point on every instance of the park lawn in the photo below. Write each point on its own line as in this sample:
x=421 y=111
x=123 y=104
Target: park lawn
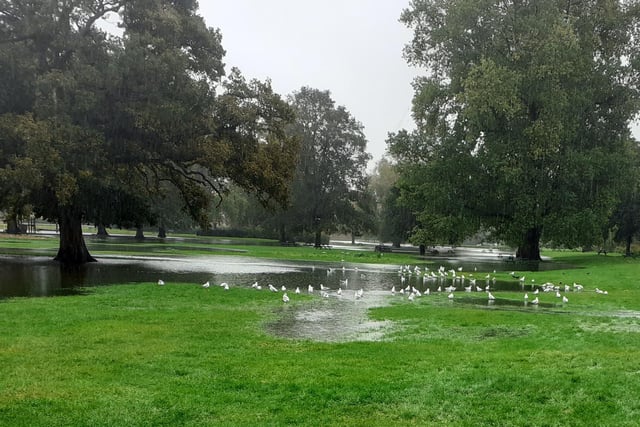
x=259 y=248
x=182 y=355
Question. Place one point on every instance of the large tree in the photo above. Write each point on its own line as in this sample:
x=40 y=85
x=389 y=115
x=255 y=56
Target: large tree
x=330 y=175
x=522 y=117
x=102 y=120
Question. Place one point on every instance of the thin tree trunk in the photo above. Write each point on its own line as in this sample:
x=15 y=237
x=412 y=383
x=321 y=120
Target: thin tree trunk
x=139 y=232
x=72 y=249
x=162 y=232
x=529 y=249
x=627 y=251
x=318 y=243
x=283 y=233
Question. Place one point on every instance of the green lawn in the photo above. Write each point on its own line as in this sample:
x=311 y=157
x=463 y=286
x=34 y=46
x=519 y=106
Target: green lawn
x=192 y=245
x=146 y=355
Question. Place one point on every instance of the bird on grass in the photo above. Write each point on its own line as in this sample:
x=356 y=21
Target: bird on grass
x=285 y=298
x=206 y=284
x=535 y=301
x=160 y=282
x=491 y=297
x=565 y=300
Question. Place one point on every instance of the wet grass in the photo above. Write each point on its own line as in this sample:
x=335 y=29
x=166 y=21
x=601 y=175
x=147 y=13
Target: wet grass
x=260 y=248
x=140 y=355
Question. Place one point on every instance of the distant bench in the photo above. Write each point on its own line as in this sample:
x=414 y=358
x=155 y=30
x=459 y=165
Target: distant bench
x=382 y=248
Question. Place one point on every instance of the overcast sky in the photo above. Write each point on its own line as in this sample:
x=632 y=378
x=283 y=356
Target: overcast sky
x=353 y=48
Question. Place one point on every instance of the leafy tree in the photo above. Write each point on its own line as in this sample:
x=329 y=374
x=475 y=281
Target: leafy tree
x=395 y=219
x=383 y=178
x=330 y=174
x=522 y=118
x=103 y=121
x=360 y=217
x=626 y=217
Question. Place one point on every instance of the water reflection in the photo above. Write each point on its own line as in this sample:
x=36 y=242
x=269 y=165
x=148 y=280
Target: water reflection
x=337 y=317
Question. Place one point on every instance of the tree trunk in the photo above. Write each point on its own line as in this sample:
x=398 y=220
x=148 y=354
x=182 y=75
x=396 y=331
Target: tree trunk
x=627 y=250
x=102 y=231
x=283 y=233
x=318 y=243
x=12 y=225
x=162 y=232
x=139 y=233
x=529 y=249
x=353 y=238
x=72 y=249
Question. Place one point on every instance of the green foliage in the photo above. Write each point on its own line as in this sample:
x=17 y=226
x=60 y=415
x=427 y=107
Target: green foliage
x=105 y=120
x=330 y=175
x=625 y=220
x=522 y=119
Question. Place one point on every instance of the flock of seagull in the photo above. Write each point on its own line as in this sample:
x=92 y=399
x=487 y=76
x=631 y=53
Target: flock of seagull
x=448 y=281
x=324 y=290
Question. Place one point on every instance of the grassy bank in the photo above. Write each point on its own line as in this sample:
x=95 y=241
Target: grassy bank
x=140 y=355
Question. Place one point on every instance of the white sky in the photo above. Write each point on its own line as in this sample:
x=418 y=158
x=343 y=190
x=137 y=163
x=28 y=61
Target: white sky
x=353 y=48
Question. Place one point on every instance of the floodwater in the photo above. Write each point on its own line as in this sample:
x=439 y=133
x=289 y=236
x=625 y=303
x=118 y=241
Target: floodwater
x=337 y=314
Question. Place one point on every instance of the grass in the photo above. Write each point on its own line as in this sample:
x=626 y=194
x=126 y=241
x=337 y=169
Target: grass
x=260 y=248
x=142 y=355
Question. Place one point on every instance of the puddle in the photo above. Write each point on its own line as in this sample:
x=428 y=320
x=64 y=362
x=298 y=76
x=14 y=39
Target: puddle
x=336 y=318
x=333 y=319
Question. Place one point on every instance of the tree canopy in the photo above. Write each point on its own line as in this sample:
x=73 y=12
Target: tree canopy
x=522 y=118
x=330 y=178
x=92 y=124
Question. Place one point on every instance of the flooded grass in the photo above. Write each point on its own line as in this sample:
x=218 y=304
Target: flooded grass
x=181 y=354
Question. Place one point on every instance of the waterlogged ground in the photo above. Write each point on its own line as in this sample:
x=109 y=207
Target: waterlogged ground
x=343 y=293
